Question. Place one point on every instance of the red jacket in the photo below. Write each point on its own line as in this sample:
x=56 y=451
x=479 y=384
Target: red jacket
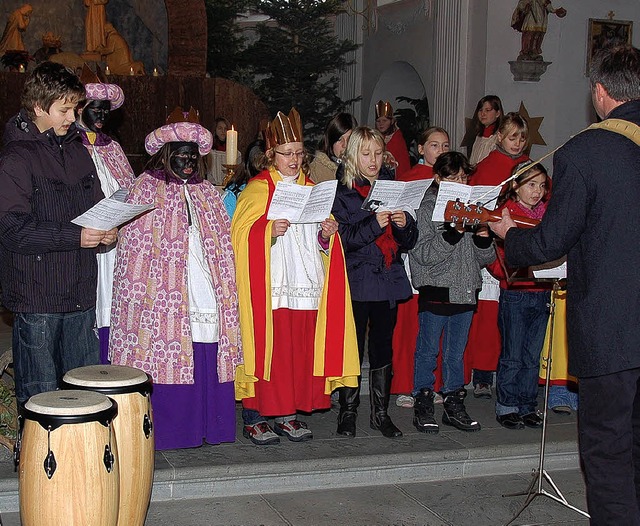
x=398 y=149
x=417 y=173
x=499 y=268
x=495 y=168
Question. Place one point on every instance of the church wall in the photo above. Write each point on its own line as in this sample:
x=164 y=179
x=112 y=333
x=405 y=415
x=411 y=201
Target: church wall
x=404 y=35
x=562 y=96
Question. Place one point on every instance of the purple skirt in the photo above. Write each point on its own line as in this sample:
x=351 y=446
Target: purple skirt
x=186 y=415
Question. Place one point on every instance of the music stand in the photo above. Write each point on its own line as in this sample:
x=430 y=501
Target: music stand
x=535 y=489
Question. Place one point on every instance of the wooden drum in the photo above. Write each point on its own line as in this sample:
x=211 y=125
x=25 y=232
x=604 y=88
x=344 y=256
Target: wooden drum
x=131 y=389
x=68 y=460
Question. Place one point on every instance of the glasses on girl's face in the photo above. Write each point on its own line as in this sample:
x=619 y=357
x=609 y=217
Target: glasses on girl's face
x=458 y=178
x=290 y=155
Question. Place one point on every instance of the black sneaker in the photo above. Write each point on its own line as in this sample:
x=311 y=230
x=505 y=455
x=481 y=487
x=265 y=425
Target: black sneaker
x=423 y=413
x=532 y=419
x=510 y=421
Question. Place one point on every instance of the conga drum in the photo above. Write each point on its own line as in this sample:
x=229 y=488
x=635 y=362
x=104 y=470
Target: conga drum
x=131 y=389
x=68 y=460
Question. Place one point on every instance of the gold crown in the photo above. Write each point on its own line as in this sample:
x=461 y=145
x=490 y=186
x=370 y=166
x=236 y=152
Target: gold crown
x=178 y=115
x=384 y=109
x=284 y=129
x=49 y=39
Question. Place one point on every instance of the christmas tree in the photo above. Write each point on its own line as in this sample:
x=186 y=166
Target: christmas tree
x=296 y=58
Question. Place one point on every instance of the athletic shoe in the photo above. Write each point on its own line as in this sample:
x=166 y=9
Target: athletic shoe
x=294 y=430
x=260 y=434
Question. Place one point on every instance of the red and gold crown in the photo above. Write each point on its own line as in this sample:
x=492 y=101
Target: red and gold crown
x=284 y=129
x=384 y=109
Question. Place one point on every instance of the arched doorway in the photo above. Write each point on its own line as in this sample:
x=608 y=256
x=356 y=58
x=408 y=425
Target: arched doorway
x=400 y=79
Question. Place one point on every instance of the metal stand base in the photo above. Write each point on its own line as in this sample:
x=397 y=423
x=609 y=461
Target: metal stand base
x=535 y=489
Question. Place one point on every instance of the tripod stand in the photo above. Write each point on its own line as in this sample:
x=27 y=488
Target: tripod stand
x=535 y=489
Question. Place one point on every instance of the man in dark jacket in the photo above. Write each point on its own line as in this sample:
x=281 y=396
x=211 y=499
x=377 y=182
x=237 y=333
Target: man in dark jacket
x=596 y=183
x=48 y=265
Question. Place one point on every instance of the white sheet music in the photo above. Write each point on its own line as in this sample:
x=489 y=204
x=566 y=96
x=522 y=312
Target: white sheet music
x=559 y=272
x=396 y=195
x=111 y=212
x=302 y=204
x=449 y=191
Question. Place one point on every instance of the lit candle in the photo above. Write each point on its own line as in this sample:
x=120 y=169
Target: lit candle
x=232 y=146
x=155 y=72
x=131 y=70
x=21 y=68
x=107 y=71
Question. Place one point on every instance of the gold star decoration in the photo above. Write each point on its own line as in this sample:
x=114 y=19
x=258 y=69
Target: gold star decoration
x=534 y=127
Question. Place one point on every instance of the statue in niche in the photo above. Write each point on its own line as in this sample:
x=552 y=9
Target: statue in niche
x=16 y=24
x=530 y=18
x=94 y=24
x=117 y=54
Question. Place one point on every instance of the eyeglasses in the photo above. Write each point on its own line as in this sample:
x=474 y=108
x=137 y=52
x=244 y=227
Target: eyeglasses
x=290 y=155
x=458 y=178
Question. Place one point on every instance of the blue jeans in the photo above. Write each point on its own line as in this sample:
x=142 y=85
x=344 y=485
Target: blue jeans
x=46 y=346
x=454 y=331
x=522 y=319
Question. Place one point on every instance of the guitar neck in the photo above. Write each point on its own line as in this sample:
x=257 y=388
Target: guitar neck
x=521 y=221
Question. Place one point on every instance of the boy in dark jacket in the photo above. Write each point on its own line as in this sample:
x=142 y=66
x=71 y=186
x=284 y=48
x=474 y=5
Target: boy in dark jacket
x=48 y=264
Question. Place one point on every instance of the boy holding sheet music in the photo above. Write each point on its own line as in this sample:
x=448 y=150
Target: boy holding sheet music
x=445 y=269
x=48 y=264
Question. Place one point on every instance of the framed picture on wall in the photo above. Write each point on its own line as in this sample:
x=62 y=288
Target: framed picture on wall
x=603 y=33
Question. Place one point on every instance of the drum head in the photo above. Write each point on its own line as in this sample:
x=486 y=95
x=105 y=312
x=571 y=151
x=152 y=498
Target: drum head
x=108 y=379
x=56 y=408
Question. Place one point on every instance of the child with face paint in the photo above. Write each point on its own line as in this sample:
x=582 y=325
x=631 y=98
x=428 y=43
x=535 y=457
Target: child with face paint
x=373 y=243
x=114 y=172
x=295 y=309
x=175 y=312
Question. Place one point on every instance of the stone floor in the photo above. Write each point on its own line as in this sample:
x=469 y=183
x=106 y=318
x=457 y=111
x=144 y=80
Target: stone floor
x=452 y=478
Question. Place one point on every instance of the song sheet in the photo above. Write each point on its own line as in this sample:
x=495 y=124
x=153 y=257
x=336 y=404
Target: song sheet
x=302 y=204
x=111 y=212
x=396 y=195
x=552 y=270
x=449 y=191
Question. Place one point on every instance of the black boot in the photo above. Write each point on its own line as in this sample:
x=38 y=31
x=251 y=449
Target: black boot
x=455 y=413
x=349 y=398
x=423 y=418
x=379 y=389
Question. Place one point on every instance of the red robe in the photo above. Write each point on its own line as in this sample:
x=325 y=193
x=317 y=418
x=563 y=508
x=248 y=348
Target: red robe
x=327 y=340
x=405 y=333
x=398 y=148
x=484 y=343
x=418 y=172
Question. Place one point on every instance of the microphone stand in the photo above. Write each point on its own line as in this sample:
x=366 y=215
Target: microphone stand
x=535 y=489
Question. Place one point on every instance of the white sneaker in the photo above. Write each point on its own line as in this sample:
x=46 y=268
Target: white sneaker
x=405 y=401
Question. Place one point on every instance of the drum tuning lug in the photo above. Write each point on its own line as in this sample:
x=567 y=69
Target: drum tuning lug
x=50 y=464
x=147 y=426
x=109 y=459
